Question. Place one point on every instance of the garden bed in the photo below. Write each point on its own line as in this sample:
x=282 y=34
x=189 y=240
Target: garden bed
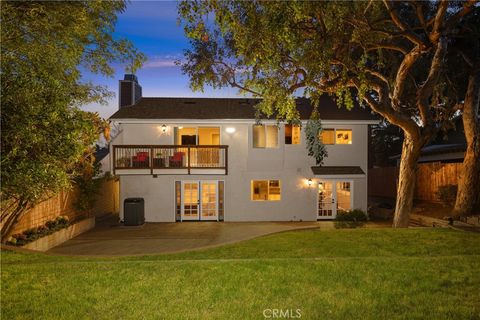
x=47 y=242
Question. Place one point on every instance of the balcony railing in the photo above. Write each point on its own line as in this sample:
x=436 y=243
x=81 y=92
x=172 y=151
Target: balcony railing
x=158 y=157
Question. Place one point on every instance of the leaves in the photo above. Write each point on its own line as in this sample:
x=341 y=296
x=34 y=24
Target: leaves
x=45 y=48
x=315 y=147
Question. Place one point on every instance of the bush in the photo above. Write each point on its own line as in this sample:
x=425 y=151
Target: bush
x=350 y=219
x=32 y=234
x=447 y=194
x=353 y=215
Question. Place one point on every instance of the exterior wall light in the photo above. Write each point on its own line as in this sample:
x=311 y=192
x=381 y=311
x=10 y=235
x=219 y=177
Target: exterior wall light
x=230 y=130
x=309 y=182
x=164 y=128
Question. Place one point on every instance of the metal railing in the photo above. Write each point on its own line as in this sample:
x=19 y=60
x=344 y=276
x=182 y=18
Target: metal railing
x=170 y=157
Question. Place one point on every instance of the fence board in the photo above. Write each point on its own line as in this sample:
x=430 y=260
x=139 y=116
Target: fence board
x=382 y=182
x=63 y=204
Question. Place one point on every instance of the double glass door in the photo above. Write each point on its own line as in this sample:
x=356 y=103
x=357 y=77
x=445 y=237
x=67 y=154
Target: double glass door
x=333 y=196
x=199 y=200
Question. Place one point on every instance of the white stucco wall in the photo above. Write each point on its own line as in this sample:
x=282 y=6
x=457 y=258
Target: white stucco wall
x=288 y=163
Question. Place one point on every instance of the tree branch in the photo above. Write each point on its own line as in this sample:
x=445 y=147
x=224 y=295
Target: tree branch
x=407 y=32
x=402 y=74
x=426 y=89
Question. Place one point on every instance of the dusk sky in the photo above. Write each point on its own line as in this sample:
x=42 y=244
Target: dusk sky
x=152 y=27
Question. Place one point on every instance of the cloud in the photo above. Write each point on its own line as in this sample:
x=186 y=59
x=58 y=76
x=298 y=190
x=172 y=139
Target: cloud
x=164 y=61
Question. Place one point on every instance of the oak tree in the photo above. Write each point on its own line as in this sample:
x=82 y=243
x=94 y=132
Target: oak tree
x=389 y=56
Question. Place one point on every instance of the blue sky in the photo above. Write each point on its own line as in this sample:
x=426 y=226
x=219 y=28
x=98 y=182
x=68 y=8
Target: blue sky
x=152 y=27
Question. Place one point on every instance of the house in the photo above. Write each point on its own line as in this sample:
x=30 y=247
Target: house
x=197 y=159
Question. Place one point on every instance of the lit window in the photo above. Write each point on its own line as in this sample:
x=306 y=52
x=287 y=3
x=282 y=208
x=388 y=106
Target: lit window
x=263 y=190
x=265 y=136
x=343 y=136
x=292 y=134
x=327 y=136
x=336 y=136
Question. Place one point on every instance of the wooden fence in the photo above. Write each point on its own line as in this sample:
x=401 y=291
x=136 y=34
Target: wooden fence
x=382 y=182
x=63 y=204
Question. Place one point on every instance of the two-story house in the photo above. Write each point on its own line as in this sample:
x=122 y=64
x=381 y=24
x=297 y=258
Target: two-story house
x=207 y=159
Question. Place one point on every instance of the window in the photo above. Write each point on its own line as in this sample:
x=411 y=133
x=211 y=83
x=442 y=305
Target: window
x=343 y=136
x=292 y=134
x=327 y=136
x=265 y=136
x=336 y=136
x=263 y=190
x=197 y=136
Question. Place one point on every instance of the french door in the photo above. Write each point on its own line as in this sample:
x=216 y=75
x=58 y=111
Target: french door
x=333 y=196
x=199 y=200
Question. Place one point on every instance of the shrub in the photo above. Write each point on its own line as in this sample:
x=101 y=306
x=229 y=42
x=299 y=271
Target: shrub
x=51 y=224
x=32 y=234
x=350 y=219
x=447 y=194
x=352 y=215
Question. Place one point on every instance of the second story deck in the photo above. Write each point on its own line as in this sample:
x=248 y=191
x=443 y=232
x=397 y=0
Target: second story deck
x=170 y=159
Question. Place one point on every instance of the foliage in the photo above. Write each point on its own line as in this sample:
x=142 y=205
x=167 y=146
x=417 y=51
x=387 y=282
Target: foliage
x=88 y=182
x=447 y=194
x=351 y=219
x=315 y=147
x=45 y=48
x=389 y=56
x=33 y=234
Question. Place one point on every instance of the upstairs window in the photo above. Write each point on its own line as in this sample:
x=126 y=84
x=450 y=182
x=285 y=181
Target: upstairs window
x=343 y=136
x=265 y=136
x=292 y=134
x=266 y=190
x=336 y=136
x=327 y=136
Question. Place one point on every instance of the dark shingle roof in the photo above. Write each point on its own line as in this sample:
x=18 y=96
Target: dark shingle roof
x=334 y=170
x=229 y=108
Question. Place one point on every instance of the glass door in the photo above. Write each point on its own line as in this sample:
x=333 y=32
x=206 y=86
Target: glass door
x=209 y=200
x=326 y=202
x=199 y=200
x=333 y=196
x=190 y=203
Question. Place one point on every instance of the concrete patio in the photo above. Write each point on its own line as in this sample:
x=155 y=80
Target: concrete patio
x=109 y=238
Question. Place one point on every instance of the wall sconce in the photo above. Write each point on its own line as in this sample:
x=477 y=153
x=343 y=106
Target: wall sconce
x=309 y=182
x=164 y=128
x=230 y=130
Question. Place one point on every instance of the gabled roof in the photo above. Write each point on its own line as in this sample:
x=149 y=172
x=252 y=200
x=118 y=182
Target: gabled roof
x=229 y=108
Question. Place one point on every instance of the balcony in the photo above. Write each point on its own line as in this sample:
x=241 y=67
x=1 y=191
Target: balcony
x=170 y=159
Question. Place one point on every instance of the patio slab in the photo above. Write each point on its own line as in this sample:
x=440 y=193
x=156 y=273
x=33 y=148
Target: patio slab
x=112 y=239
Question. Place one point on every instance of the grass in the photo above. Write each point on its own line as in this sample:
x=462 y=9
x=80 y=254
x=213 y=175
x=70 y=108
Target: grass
x=337 y=274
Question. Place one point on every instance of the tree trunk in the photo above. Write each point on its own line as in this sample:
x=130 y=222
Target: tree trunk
x=468 y=183
x=12 y=218
x=406 y=181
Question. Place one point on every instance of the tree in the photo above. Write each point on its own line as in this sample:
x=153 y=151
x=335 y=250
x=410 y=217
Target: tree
x=45 y=47
x=464 y=78
x=388 y=56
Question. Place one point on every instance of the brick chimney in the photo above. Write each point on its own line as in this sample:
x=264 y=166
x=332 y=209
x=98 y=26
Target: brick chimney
x=129 y=91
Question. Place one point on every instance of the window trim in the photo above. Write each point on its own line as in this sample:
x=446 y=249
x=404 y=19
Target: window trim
x=264 y=126
x=268 y=189
x=285 y=134
x=335 y=136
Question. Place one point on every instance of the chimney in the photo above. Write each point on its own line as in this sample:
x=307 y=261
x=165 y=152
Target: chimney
x=129 y=91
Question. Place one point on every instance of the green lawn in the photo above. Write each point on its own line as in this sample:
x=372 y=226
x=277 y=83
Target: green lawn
x=337 y=274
